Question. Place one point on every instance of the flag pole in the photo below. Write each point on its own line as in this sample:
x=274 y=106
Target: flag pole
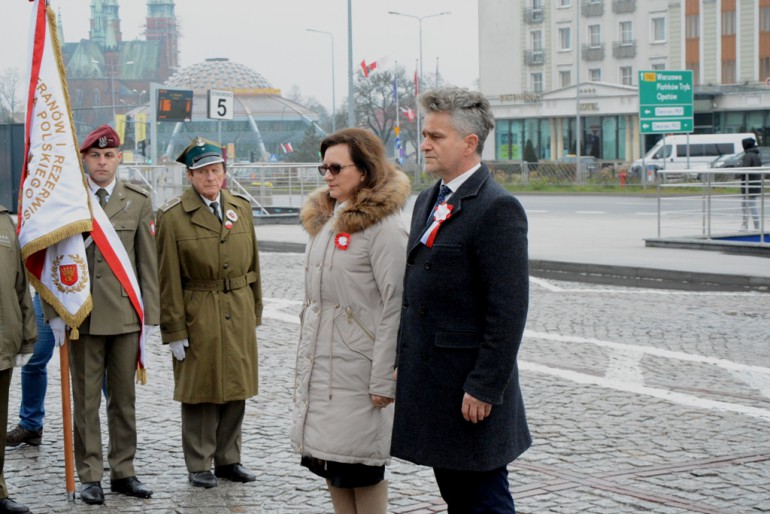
x=66 y=409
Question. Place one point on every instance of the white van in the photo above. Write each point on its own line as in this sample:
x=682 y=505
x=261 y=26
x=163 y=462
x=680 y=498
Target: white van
x=670 y=153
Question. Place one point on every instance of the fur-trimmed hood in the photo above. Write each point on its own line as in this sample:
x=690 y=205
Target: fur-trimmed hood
x=367 y=209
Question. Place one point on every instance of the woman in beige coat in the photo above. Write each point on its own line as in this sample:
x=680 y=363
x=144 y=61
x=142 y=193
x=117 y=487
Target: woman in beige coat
x=354 y=271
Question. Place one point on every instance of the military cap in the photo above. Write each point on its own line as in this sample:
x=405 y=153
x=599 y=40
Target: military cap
x=201 y=152
x=101 y=137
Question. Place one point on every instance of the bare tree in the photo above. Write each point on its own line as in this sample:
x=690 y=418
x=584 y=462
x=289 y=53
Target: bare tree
x=9 y=86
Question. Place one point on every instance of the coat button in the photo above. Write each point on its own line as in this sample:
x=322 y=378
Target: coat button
x=409 y=262
x=225 y=265
x=428 y=265
x=405 y=305
x=227 y=316
x=98 y=275
x=222 y=241
x=422 y=311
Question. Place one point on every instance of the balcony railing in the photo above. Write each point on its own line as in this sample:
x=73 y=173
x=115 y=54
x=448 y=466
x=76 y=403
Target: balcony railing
x=624 y=49
x=593 y=52
x=623 y=6
x=592 y=8
x=534 y=57
x=533 y=15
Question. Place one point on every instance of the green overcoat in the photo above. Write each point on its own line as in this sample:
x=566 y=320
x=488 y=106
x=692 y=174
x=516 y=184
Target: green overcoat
x=211 y=295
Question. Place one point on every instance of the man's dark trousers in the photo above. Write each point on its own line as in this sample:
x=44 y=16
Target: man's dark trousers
x=475 y=492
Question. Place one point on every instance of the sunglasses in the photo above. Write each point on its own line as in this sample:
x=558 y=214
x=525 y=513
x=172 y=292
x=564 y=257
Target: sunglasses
x=334 y=168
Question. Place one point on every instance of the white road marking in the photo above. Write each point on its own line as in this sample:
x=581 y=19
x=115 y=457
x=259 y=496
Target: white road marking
x=590 y=212
x=679 y=398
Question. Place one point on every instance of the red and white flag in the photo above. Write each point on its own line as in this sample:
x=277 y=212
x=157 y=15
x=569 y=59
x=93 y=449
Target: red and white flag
x=54 y=200
x=368 y=68
x=287 y=148
x=409 y=113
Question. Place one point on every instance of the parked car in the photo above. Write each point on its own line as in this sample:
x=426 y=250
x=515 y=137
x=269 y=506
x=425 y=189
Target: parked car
x=735 y=161
x=590 y=163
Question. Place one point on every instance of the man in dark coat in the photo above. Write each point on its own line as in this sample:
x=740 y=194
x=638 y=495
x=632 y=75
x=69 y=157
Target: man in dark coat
x=751 y=183
x=459 y=408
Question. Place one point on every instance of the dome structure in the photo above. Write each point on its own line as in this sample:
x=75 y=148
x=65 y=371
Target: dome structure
x=217 y=73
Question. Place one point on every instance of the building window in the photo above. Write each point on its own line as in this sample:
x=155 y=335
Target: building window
x=764 y=19
x=595 y=74
x=659 y=29
x=626 y=32
x=536 y=40
x=692 y=26
x=595 y=35
x=728 y=23
x=764 y=68
x=537 y=5
x=626 y=75
x=658 y=66
x=537 y=82
x=728 y=72
x=565 y=78
x=565 y=3
x=565 y=38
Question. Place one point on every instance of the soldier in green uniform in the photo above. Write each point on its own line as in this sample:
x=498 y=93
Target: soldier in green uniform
x=211 y=305
x=109 y=338
x=18 y=334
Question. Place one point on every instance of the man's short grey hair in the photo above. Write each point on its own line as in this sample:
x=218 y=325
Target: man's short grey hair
x=469 y=110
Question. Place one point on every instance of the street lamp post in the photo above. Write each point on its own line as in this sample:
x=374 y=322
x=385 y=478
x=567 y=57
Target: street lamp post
x=334 y=99
x=419 y=20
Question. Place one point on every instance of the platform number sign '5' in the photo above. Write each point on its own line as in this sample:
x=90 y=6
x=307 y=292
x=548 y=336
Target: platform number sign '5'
x=220 y=104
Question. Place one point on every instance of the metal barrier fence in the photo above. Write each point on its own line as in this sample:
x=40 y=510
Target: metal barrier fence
x=595 y=172
x=713 y=205
x=266 y=185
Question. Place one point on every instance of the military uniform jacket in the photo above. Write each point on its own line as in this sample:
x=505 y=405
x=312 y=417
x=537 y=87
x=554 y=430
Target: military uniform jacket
x=17 y=319
x=130 y=212
x=463 y=315
x=211 y=295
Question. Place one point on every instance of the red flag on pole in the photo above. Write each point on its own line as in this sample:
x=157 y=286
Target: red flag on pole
x=416 y=84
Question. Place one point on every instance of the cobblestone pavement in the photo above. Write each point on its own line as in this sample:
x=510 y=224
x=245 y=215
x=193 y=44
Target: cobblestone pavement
x=638 y=400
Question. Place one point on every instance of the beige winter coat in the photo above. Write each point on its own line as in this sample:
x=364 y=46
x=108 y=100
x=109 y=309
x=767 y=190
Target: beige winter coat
x=349 y=325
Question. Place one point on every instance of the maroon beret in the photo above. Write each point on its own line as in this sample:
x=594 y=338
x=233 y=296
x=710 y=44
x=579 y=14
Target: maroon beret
x=102 y=137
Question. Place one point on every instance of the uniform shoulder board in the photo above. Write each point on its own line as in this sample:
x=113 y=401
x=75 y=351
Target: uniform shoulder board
x=166 y=206
x=242 y=197
x=138 y=189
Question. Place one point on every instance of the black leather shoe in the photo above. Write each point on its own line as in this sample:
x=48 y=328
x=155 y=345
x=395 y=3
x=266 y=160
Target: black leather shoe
x=235 y=472
x=203 y=479
x=130 y=486
x=92 y=493
x=19 y=435
x=10 y=506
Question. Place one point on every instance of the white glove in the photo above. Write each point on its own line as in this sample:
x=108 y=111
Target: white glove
x=150 y=330
x=177 y=348
x=21 y=360
x=58 y=327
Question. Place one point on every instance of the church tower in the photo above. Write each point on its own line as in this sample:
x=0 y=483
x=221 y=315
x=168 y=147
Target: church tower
x=105 y=24
x=162 y=27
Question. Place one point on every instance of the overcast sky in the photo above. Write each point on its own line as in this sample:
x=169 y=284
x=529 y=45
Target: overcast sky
x=271 y=37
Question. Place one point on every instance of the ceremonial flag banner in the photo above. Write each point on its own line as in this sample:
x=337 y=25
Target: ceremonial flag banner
x=374 y=65
x=53 y=198
x=54 y=206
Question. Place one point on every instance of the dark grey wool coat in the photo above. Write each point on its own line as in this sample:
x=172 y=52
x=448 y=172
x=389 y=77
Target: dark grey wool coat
x=463 y=314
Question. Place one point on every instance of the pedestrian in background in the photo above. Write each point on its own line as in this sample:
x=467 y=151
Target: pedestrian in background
x=18 y=334
x=354 y=270
x=751 y=183
x=108 y=347
x=459 y=408
x=211 y=306
x=34 y=385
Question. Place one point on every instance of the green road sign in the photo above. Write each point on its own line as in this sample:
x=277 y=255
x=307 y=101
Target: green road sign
x=665 y=101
